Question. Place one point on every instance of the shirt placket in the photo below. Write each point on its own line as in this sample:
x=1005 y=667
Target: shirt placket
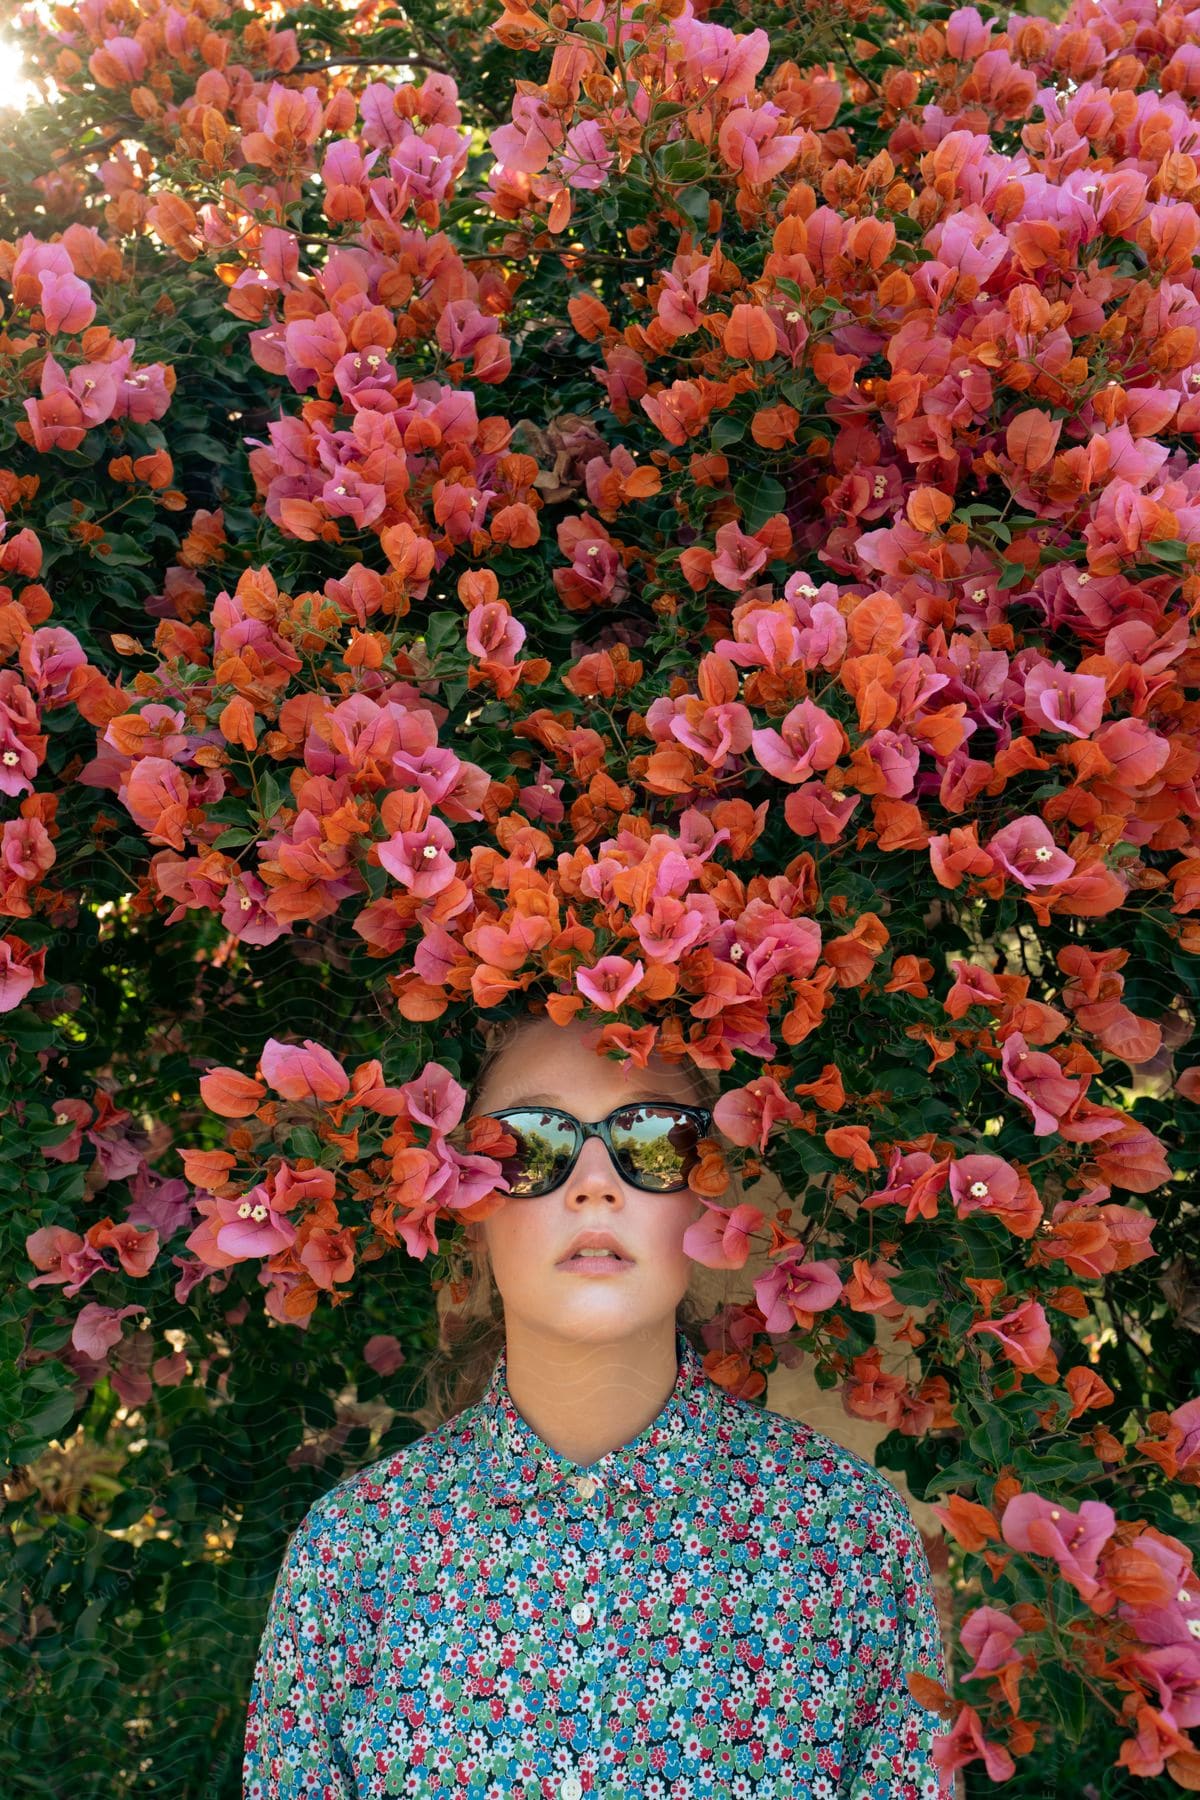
x=586 y=1497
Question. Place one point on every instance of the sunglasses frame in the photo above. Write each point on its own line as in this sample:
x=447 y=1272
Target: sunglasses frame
x=602 y=1129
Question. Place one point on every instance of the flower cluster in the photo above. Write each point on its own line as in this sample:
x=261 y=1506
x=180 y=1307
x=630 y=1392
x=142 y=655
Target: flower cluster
x=812 y=698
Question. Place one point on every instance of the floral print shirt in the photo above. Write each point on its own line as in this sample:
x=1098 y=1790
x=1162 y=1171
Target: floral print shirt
x=725 y=1606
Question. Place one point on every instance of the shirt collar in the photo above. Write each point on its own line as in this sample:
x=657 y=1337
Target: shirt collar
x=508 y=1459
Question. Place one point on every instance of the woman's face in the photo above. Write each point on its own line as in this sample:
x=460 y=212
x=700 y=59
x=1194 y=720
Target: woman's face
x=525 y=1238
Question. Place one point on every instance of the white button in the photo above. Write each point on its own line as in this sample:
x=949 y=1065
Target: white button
x=581 y=1612
x=570 y=1787
x=585 y=1487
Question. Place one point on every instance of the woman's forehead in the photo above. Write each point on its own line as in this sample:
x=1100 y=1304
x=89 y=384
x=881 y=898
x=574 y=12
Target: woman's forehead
x=544 y=1063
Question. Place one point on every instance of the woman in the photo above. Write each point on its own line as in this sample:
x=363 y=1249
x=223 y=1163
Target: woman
x=605 y=1576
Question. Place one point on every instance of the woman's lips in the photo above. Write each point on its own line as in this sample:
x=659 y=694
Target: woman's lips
x=585 y=1264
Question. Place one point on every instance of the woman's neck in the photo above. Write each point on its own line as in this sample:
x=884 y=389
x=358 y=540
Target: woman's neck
x=585 y=1399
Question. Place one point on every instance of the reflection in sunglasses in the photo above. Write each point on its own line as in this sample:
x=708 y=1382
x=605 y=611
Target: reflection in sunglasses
x=654 y=1147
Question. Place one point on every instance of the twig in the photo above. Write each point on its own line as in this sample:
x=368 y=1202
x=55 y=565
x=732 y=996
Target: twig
x=369 y=62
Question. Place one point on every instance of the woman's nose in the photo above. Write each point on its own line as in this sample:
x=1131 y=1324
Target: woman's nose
x=594 y=1173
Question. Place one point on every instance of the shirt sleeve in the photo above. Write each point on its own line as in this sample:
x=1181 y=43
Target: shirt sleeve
x=888 y=1746
x=292 y=1750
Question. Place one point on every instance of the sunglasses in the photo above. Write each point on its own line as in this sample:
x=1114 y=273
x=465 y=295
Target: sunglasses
x=655 y=1145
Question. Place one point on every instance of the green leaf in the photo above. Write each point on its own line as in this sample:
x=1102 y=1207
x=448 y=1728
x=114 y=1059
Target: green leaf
x=1012 y=574
x=304 y=1142
x=694 y=201
x=226 y=329
x=728 y=430
x=1067 y=1695
x=991 y=1439
x=270 y=795
x=683 y=161
x=953 y=1478
x=47 y=1422
x=1053 y=1463
x=760 y=498
x=916 y=1287
x=129 y=1507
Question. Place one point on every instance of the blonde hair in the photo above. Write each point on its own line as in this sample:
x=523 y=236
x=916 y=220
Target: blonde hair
x=471 y=1338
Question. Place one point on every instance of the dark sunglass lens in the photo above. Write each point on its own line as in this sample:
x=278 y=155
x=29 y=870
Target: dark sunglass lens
x=655 y=1146
x=544 y=1142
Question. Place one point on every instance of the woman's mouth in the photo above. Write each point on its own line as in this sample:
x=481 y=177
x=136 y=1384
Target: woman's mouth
x=596 y=1262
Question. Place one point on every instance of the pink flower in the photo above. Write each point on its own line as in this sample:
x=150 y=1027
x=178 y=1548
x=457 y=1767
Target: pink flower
x=425 y=164
x=364 y=374
x=328 y=1255
x=384 y=1354
x=915 y=1179
x=22 y=746
x=77 y=1114
x=680 y=303
x=142 y=394
x=1136 y=752
x=346 y=495
x=420 y=860
x=747 y=1114
x=48 y=1250
x=1033 y=1077
x=720 y=64
x=492 y=632
x=156 y=795
x=68 y=1261
x=25 y=849
x=1024 y=1335
x=527 y=144
x=1187 y=1417
x=1171 y=1616
x=97 y=1328
x=1028 y=851
x=32 y=261
x=791 y=1291
x=244 y=912
x=21 y=969
x=56 y=423
x=980 y=1182
x=897 y=757
x=469 y=1177
x=989 y=1636
x=67 y=303
x=721 y=1239
x=120 y=61
x=817 y=811
x=1073 y=1540
x=750 y=141
x=90 y=389
x=48 y=656
x=251 y=1226
x=808 y=739
x=669 y=927
x=714 y=732
x=610 y=982
x=1059 y=700
x=434 y=1098
x=738 y=559
x=460 y=507
x=308 y=1072
x=585 y=158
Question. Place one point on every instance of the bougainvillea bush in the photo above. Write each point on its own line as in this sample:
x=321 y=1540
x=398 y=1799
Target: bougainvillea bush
x=677 y=519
